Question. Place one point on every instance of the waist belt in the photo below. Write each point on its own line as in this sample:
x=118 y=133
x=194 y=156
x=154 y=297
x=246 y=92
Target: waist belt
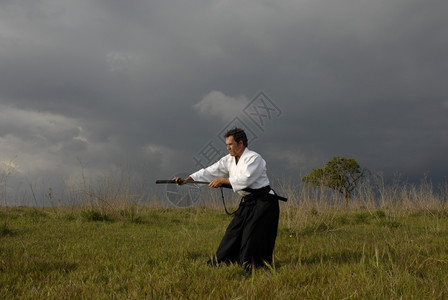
x=261 y=192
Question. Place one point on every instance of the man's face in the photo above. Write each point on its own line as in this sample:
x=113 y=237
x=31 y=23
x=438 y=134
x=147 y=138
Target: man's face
x=234 y=148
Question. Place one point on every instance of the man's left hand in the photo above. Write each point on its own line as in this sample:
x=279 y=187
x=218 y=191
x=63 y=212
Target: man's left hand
x=216 y=183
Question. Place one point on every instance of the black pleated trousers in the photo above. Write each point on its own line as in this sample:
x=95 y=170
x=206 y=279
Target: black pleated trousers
x=249 y=239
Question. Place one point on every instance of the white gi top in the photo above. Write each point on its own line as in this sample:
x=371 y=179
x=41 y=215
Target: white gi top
x=249 y=172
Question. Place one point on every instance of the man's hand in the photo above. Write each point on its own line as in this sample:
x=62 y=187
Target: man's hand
x=216 y=183
x=178 y=180
x=181 y=181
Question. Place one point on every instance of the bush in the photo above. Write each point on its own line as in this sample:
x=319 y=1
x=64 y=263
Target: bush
x=361 y=218
x=4 y=230
x=95 y=216
x=380 y=214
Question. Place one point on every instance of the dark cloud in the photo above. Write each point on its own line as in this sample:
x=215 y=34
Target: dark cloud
x=144 y=85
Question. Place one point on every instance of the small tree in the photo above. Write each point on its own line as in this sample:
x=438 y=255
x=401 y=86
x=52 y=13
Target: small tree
x=340 y=174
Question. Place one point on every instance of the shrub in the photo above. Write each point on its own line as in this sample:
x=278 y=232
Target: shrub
x=4 y=230
x=95 y=216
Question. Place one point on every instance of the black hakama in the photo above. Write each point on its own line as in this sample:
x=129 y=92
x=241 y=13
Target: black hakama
x=250 y=237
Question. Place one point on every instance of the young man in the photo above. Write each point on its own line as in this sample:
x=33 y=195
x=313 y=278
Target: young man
x=250 y=237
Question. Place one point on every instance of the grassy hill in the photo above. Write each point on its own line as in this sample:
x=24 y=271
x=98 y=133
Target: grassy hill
x=140 y=252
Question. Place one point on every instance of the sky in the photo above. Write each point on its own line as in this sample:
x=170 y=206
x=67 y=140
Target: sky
x=93 y=88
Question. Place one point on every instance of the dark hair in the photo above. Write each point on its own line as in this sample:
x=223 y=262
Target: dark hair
x=238 y=135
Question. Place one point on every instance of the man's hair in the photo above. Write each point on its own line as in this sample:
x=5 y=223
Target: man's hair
x=238 y=135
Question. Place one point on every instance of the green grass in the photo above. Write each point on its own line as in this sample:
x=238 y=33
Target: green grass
x=158 y=253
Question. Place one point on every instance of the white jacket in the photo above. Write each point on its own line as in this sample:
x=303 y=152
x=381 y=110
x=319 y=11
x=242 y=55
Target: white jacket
x=249 y=172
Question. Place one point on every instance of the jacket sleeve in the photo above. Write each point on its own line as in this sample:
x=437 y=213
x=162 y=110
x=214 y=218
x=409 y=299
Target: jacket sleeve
x=218 y=169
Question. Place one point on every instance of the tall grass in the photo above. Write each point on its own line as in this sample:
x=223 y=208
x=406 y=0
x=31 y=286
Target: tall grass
x=103 y=240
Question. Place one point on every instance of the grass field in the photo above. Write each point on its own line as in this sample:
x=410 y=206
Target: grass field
x=138 y=252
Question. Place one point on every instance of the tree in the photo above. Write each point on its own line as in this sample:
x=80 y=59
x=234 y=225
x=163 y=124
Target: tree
x=340 y=174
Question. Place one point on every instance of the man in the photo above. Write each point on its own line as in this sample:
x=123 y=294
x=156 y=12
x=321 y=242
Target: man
x=250 y=237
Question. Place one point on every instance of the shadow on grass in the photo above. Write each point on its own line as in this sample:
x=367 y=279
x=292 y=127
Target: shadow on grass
x=338 y=257
x=36 y=268
x=5 y=230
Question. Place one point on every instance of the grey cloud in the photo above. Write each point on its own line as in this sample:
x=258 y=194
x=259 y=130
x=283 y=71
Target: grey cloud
x=120 y=81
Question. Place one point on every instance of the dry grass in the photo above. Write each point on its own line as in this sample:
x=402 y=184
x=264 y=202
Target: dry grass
x=104 y=241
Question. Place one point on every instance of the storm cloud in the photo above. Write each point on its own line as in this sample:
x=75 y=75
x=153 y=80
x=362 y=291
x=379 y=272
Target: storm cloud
x=94 y=86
